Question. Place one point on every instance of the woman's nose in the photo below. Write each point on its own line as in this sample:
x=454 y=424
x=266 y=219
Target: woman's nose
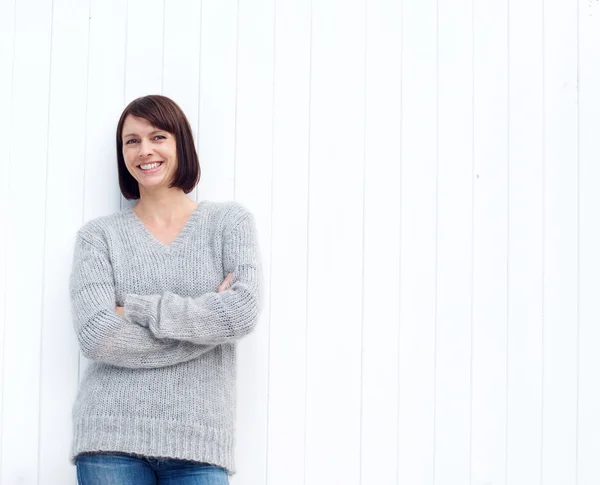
x=145 y=148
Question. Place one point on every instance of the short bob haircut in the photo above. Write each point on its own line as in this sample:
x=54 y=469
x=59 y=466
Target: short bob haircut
x=164 y=114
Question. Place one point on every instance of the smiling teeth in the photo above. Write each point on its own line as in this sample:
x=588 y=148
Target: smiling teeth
x=149 y=166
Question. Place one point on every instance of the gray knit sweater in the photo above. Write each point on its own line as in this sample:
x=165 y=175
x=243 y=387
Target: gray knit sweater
x=161 y=380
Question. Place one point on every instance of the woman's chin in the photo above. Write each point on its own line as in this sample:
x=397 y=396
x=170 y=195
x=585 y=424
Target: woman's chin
x=152 y=185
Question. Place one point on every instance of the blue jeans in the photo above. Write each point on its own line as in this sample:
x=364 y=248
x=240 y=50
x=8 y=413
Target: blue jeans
x=123 y=469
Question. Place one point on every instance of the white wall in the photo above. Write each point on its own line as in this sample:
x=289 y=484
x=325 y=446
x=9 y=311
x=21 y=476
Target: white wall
x=424 y=176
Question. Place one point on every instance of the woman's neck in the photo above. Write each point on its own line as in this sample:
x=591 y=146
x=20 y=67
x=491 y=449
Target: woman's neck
x=165 y=209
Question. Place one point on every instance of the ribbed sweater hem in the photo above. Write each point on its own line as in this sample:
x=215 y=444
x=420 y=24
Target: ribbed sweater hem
x=154 y=438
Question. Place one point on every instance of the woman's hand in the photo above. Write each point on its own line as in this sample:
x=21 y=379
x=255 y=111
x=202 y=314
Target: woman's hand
x=226 y=281
x=120 y=311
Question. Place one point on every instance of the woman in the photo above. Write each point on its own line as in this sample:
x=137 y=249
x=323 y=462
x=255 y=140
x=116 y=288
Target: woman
x=161 y=292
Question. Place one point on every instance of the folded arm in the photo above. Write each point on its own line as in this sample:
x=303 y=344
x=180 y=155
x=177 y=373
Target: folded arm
x=212 y=318
x=102 y=334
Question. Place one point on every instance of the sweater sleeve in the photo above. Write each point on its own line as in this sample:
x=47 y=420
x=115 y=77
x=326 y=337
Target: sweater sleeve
x=103 y=335
x=212 y=318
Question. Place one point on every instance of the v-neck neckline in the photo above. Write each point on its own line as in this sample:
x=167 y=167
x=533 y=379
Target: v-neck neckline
x=178 y=241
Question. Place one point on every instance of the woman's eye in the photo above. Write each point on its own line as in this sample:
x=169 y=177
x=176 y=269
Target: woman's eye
x=131 y=142
x=160 y=137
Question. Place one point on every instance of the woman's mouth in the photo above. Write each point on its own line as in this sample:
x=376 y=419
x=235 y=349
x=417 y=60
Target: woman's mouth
x=150 y=167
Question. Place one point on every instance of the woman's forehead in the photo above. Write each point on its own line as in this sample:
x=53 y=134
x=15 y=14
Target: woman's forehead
x=135 y=125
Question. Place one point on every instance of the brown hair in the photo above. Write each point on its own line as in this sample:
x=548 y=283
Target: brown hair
x=164 y=114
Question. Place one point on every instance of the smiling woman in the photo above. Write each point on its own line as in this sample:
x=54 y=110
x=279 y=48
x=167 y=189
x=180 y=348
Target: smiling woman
x=161 y=292
x=154 y=130
x=147 y=150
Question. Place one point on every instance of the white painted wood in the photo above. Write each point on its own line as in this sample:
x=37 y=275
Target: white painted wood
x=335 y=243
x=525 y=251
x=490 y=250
x=416 y=349
x=144 y=53
x=287 y=330
x=181 y=70
x=218 y=95
x=26 y=225
x=559 y=412
x=104 y=103
x=381 y=317
x=7 y=27
x=588 y=429
x=253 y=180
x=423 y=176
x=454 y=289
x=66 y=155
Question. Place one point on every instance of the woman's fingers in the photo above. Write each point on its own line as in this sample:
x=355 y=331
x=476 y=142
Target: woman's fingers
x=223 y=285
x=226 y=281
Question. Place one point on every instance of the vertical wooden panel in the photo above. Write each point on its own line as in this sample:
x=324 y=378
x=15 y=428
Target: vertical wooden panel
x=335 y=243
x=287 y=335
x=455 y=243
x=105 y=102
x=368 y=401
x=588 y=430
x=26 y=225
x=218 y=73
x=7 y=36
x=66 y=153
x=560 y=243
x=144 y=53
x=525 y=243
x=253 y=179
x=144 y=56
x=382 y=243
x=488 y=416
x=181 y=70
x=418 y=242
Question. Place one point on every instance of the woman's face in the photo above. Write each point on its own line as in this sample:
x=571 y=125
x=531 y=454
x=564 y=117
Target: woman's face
x=145 y=146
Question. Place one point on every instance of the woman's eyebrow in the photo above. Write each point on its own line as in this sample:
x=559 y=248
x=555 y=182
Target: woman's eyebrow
x=135 y=134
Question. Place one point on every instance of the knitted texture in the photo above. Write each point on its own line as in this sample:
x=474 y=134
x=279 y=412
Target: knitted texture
x=161 y=379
